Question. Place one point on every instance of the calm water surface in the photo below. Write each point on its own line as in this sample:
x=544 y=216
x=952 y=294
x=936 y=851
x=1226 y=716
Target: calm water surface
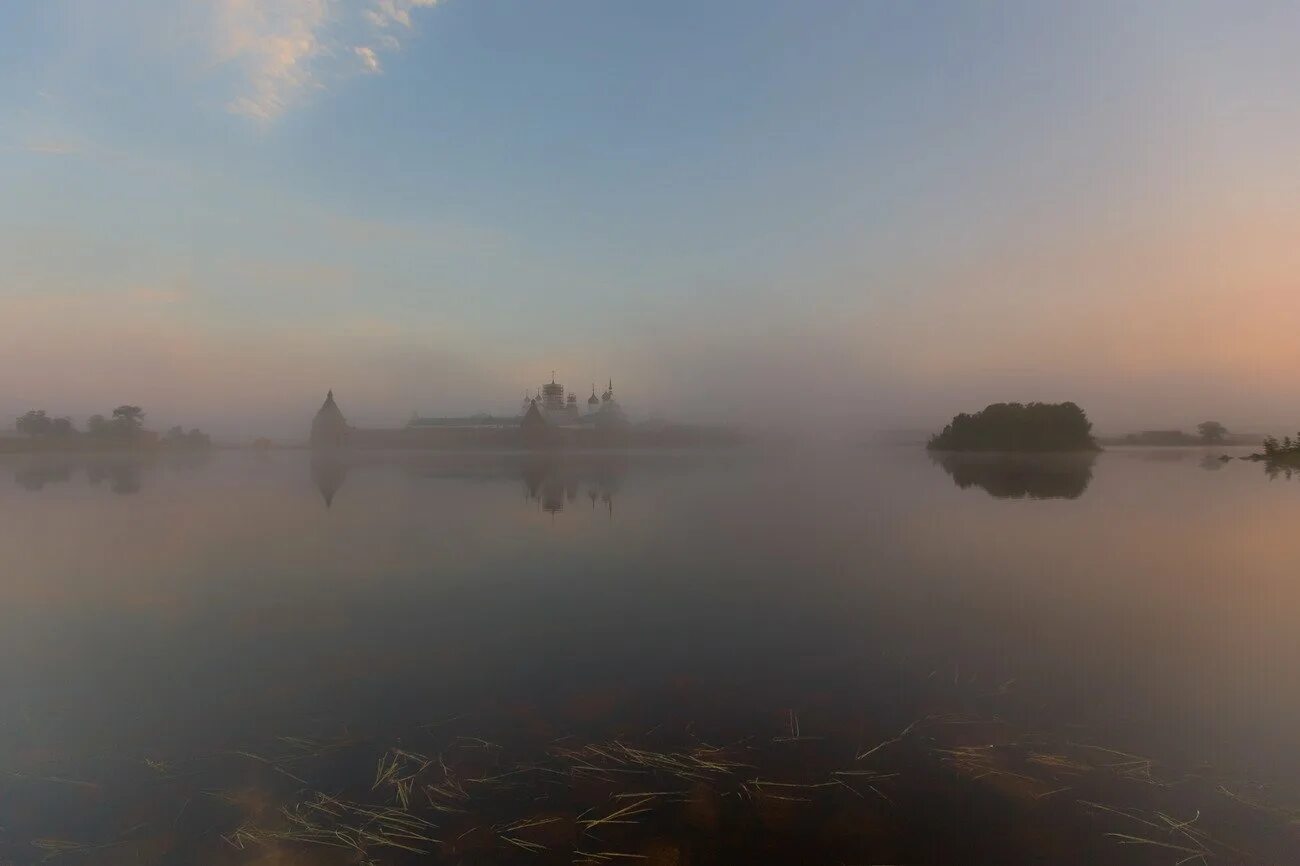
x=158 y=615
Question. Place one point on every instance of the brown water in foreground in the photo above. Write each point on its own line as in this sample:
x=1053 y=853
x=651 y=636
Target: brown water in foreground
x=857 y=658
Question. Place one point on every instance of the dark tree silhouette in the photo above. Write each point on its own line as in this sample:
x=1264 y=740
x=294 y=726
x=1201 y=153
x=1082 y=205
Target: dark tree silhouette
x=1279 y=457
x=1160 y=438
x=34 y=423
x=177 y=438
x=1018 y=427
x=1212 y=432
x=128 y=420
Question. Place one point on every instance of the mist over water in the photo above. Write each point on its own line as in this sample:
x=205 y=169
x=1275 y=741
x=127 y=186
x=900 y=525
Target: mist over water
x=214 y=604
x=689 y=434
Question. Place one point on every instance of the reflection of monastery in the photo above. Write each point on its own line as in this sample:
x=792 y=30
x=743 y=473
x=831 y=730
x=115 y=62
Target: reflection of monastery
x=553 y=484
x=550 y=417
x=552 y=481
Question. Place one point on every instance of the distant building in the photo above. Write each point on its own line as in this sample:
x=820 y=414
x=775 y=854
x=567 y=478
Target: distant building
x=556 y=407
x=329 y=429
x=549 y=417
x=553 y=399
x=533 y=418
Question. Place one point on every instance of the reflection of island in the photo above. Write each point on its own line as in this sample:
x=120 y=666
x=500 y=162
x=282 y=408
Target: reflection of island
x=1280 y=470
x=1016 y=476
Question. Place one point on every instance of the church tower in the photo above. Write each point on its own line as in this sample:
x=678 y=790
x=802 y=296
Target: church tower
x=329 y=429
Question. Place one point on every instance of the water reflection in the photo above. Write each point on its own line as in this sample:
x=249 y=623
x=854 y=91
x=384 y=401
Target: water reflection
x=1211 y=463
x=120 y=473
x=551 y=481
x=123 y=476
x=1279 y=470
x=328 y=472
x=737 y=600
x=34 y=477
x=1017 y=476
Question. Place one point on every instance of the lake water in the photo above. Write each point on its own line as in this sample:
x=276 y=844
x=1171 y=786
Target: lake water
x=191 y=646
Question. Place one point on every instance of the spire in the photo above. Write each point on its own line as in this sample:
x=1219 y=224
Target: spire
x=329 y=428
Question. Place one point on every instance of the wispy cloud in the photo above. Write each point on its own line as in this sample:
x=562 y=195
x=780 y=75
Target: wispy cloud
x=275 y=44
x=389 y=13
x=369 y=60
x=285 y=49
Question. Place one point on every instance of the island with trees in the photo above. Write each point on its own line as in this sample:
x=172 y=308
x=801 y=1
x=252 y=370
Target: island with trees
x=1279 y=455
x=122 y=430
x=1018 y=427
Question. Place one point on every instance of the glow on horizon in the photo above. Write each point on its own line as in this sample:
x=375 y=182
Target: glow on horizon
x=882 y=214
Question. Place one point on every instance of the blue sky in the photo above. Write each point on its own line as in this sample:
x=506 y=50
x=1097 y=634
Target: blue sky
x=882 y=212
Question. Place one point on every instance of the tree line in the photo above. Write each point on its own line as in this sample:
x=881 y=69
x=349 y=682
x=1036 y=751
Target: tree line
x=1207 y=433
x=125 y=425
x=1285 y=449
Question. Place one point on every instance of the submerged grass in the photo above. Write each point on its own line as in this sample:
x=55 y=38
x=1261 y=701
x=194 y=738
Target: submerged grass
x=942 y=789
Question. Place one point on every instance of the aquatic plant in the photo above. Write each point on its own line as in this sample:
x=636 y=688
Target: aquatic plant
x=954 y=787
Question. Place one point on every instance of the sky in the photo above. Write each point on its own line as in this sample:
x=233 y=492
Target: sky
x=838 y=214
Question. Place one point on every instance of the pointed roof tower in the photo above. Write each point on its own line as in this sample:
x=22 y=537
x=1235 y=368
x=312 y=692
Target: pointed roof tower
x=329 y=428
x=533 y=419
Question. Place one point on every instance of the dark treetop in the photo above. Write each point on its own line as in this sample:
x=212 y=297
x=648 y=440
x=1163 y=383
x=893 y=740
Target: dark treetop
x=1283 y=452
x=1018 y=427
